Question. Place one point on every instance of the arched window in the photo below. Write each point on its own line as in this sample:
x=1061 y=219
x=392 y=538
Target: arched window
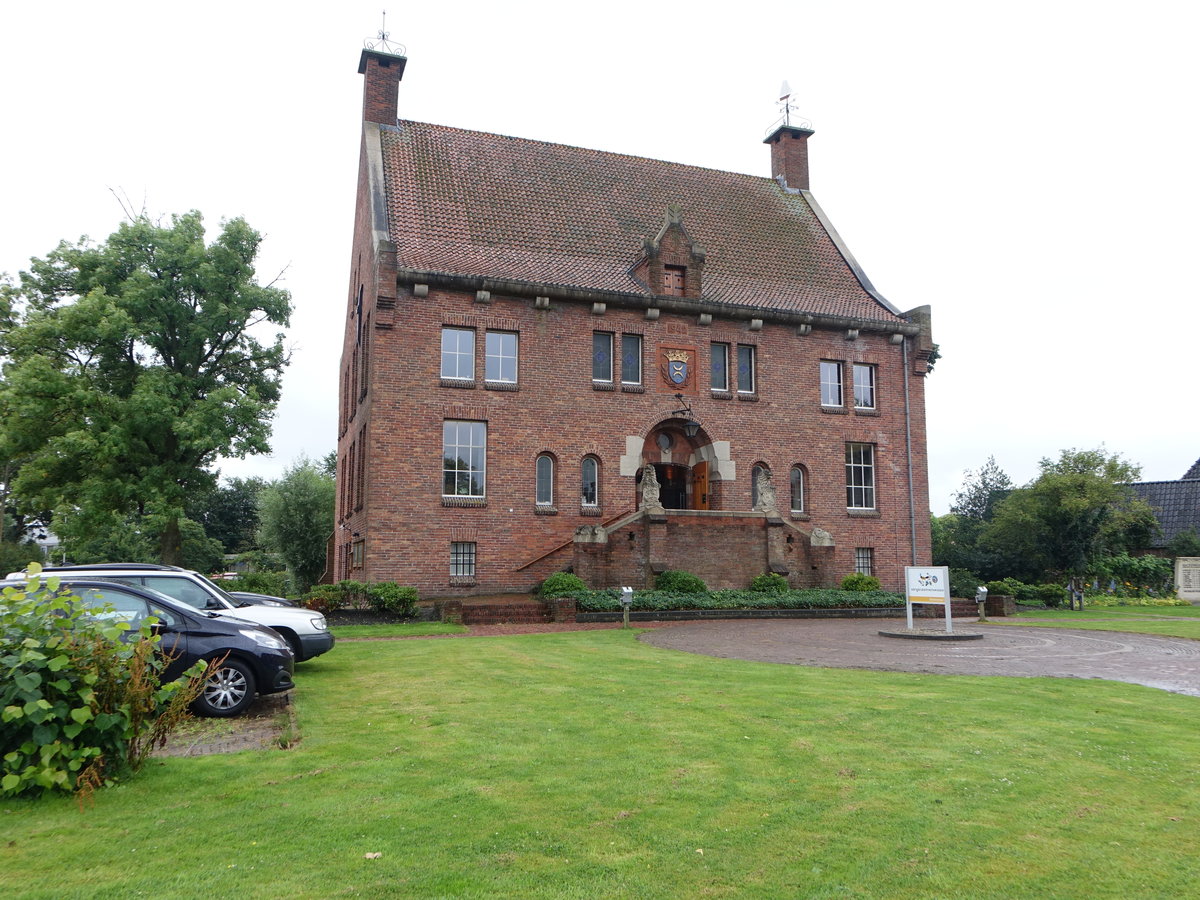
x=797 y=484
x=544 y=490
x=590 y=487
x=756 y=475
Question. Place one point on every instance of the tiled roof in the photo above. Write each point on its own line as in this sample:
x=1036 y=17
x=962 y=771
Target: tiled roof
x=1194 y=471
x=1176 y=503
x=472 y=203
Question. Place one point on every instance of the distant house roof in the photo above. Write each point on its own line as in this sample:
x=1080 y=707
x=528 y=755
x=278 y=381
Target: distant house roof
x=467 y=203
x=1176 y=503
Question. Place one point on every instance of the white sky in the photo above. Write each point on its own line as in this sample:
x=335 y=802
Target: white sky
x=1028 y=169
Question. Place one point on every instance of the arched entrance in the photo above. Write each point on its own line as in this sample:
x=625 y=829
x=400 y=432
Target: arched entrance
x=682 y=475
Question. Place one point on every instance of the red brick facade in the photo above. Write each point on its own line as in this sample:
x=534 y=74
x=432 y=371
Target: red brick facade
x=400 y=517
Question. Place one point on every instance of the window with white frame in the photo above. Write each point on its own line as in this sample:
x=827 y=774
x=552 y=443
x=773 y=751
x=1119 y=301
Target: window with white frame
x=590 y=482
x=864 y=560
x=864 y=386
x=831 y=383
x=544 y=489
x=797 y=485
x=462 y=559
x=500 y=357
x=631 y=359
x=458 y=353
x=464 y=458
x=745 y=374
x=720 y=367
x=860 y=476
x=602 y=356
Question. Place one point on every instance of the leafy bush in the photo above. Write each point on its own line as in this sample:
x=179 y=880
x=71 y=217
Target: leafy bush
x=1050 y=594
x=274 y=584
x=1009 y=587
x=562 y=584
x=81 y=699
x=769 y=582
x=856 y=581
x=389 y=597
x=680 y=583
x=324 y=598
x=963 y=583
x=15 y=557
x=608 y=600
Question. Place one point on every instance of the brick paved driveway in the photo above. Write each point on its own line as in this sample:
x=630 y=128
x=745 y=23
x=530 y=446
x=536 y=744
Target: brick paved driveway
x=1172 y=664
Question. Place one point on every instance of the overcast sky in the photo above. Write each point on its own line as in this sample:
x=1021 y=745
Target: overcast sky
x=1027 y=169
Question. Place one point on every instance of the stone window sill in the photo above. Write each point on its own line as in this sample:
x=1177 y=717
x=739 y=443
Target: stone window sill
x=462 y=580
x=464 y=501
x=835 y=410
x=589 y=511
x=722 y=395
x=749 y=398
x=866 y=412
x=633 y=388
x=603 y=386
x=543 y=509
x=469 y=384
x=863 y=513
x=501 y=386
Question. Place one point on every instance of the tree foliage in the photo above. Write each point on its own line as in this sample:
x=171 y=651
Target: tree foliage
x=134 y=365
x=956 y=535
x=296 y=516
x=229 y=513
x=1079 y=509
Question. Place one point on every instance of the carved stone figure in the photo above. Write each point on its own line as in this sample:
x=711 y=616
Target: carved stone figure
x=651 y=502
x=766 y=494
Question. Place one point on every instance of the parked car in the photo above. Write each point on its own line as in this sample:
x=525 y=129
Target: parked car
x=253 y=659
x=305 y=630
x=260 y=599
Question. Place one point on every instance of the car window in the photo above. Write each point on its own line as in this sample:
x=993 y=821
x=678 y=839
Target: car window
x=125 y=607
x=183 y=590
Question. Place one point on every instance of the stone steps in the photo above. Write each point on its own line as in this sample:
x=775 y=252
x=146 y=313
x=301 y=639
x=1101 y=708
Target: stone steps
x=527 y=613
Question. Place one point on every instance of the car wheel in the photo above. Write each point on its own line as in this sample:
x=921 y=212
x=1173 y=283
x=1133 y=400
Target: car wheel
x=228 y=690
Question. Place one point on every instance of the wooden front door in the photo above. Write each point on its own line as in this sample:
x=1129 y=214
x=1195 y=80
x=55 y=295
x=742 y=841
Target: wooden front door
x=700 y=485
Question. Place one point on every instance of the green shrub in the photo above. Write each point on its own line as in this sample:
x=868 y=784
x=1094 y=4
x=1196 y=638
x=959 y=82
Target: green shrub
x=274 y=584
x=324 y=598
x=15 y=557
x=856 y=581
x=1051 y=595
x=391 y=598
x=769 y=582
x=562 y=584
x=963 y=583
x=680 y=583
x=81 y=699
x=1009 y=587
x=608 y=600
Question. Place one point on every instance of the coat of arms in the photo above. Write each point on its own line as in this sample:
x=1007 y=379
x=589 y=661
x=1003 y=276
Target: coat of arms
x=677 y=366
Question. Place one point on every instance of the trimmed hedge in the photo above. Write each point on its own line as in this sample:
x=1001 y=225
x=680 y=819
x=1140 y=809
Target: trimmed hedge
x=608 y=600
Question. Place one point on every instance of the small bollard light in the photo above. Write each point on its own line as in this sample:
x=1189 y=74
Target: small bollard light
x=626 y=602
x=981 y=599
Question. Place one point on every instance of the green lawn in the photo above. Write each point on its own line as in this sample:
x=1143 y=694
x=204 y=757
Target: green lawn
x=587 y=764
x=1175 y=621
x=401 y=630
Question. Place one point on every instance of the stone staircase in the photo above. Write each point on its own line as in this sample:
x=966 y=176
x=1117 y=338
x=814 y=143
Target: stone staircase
x=521 y=610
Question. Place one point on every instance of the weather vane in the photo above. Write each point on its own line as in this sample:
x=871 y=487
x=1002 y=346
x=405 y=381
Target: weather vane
x=786 y=107
x=381 y=42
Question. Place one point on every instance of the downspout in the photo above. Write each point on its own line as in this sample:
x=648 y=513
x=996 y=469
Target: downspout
x=912 y=512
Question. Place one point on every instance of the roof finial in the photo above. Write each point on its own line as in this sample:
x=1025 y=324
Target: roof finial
x=786 y=106
x=381 y=42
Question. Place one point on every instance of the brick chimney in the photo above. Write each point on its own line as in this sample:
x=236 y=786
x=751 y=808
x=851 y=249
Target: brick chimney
x=789 y=155
x=381 y=87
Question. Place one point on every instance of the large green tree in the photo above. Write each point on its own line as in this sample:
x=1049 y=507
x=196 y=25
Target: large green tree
x=229 y=513
x=1079 y=509
x=134 y=364
x=296 y=515
x=956 y=535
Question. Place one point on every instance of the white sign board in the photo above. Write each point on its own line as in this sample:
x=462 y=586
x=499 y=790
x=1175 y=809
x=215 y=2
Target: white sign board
x=1187 y=578
x=927 y=584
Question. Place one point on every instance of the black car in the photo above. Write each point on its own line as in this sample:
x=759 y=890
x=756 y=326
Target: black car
x=254 y=659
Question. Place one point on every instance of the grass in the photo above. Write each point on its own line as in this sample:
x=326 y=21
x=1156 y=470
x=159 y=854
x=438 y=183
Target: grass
x=588 y=764
x=1172 y=621
x=400 y=630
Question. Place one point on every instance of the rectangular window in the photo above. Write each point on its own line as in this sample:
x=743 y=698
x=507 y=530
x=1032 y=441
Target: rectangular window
x=860 y=476
x=602 y=356
x=356 y=554
x=458 y=353
x=831 y=383
x=464 y=453
x=631 y=359
x=720 y=367
x=500 y=357
x=745 y=373
x=462 y=558
x=864 y=560
x=864 y=386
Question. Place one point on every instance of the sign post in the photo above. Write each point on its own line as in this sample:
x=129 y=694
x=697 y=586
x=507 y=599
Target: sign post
x=927 y=584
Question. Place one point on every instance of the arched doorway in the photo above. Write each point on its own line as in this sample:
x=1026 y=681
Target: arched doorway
x=682 y=476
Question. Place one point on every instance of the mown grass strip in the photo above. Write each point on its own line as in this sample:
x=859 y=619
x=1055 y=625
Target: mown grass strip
x=588 y=764
x=1169 y=621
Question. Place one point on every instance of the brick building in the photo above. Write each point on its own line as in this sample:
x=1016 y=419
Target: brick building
x=564 y=359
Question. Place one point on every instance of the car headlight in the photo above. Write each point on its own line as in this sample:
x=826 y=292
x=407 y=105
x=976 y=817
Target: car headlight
x=318 y=622
x=263 y=639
